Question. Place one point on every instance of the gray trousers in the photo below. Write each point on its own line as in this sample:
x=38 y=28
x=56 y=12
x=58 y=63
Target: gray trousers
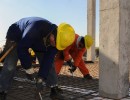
x=9 y=69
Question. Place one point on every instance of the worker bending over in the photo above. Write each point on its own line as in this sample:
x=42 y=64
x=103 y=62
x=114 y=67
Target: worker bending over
x=42 y=36
x=75 y=51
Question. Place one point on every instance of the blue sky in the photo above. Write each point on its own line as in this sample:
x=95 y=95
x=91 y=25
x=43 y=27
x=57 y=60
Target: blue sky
x=73 y=12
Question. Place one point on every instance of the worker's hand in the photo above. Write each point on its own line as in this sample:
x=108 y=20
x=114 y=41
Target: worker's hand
x=72 y=68
x=70 y=63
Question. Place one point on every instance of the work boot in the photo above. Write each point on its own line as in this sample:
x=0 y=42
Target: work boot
x=3 y=95
x=56 y=94
x=88 y=76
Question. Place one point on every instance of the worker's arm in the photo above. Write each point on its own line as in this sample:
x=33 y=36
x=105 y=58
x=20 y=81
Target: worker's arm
x=29 y=37
x=47 y=61
x=67 y=54
x=23 y=53
x=79 y=56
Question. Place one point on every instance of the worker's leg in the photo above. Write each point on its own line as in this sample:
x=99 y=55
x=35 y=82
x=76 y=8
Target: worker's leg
x=9 y=67
x=51 y=80
x=82 y=67
x=84 y=70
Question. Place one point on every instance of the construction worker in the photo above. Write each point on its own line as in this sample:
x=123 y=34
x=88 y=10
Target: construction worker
x=42 y=36
x=75 y=51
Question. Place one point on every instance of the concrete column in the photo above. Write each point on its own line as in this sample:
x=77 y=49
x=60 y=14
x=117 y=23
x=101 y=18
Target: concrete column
x=91 y=27
x=114 y=48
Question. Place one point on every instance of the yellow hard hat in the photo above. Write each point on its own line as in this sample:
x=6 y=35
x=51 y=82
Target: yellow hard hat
x=65 y=36
x=88 y=41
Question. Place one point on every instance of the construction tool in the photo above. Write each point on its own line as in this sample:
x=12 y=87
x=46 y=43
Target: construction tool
x=7 y=52
x=38 y=95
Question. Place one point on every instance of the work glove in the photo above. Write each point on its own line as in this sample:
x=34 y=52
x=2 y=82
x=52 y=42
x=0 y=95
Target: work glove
x=72 y=68
x=70 y=63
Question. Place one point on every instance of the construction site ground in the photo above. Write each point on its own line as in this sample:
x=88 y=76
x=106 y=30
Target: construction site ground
x=73 y=85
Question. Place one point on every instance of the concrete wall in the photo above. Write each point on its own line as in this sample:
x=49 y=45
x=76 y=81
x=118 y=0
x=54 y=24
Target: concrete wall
x=91 y=15
x=114 y=48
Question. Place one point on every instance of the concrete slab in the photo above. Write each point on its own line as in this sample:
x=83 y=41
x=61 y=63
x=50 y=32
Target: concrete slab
x=74 y=88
